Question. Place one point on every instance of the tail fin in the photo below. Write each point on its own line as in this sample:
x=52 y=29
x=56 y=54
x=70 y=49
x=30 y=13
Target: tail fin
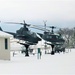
x=1 y=29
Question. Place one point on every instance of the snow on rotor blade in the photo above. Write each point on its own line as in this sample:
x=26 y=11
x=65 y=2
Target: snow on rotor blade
x=39 y=28
x=43 y=29
x=12 y=23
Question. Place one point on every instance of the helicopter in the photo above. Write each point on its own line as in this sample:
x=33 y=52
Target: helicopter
x=26 y=35
x=55 y=40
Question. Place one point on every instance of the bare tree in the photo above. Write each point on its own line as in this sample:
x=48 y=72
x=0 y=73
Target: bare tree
x=67 y=35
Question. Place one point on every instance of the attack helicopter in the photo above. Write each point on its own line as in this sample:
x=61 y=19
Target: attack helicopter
x=25 y=34
x=55 y=40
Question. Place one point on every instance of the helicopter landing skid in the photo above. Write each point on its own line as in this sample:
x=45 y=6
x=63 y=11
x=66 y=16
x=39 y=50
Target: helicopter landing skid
x=52 y=52
x=26 y=52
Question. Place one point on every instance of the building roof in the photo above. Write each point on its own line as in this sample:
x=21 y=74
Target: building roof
x=3 y=34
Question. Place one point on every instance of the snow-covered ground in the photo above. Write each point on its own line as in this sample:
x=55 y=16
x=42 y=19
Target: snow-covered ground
x=58 y=64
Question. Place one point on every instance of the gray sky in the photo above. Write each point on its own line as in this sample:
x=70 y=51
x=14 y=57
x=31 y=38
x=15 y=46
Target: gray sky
x=59 y=13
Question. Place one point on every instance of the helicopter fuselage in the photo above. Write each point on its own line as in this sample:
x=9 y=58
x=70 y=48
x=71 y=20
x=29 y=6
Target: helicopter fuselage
x=26 y=35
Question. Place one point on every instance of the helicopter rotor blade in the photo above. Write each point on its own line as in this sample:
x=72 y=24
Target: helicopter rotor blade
x=51 y=27
x=39 y=28
x=12 y=23
x=18 y=23
x=24 y=21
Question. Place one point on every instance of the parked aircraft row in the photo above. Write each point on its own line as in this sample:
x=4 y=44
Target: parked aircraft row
x=55 y=40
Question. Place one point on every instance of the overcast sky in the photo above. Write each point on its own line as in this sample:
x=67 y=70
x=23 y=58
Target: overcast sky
x=59 y=13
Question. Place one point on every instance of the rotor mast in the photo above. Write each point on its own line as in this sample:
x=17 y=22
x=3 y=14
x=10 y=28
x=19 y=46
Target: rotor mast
x=45 y=24
x=52 y=29
x=45 y=32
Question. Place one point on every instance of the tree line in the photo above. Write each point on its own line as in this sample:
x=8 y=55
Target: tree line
x=69 y=35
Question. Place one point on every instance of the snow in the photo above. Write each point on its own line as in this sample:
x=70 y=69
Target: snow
x=58 y=64
x=15 y=46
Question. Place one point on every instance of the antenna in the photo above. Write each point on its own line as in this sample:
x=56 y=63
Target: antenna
x=45 y=31
x=45 y=24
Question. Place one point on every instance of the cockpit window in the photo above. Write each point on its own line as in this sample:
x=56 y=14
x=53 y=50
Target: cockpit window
x=57 y=37
x=50 y=37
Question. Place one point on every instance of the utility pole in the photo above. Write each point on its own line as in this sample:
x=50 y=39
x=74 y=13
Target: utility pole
x=45 y=33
